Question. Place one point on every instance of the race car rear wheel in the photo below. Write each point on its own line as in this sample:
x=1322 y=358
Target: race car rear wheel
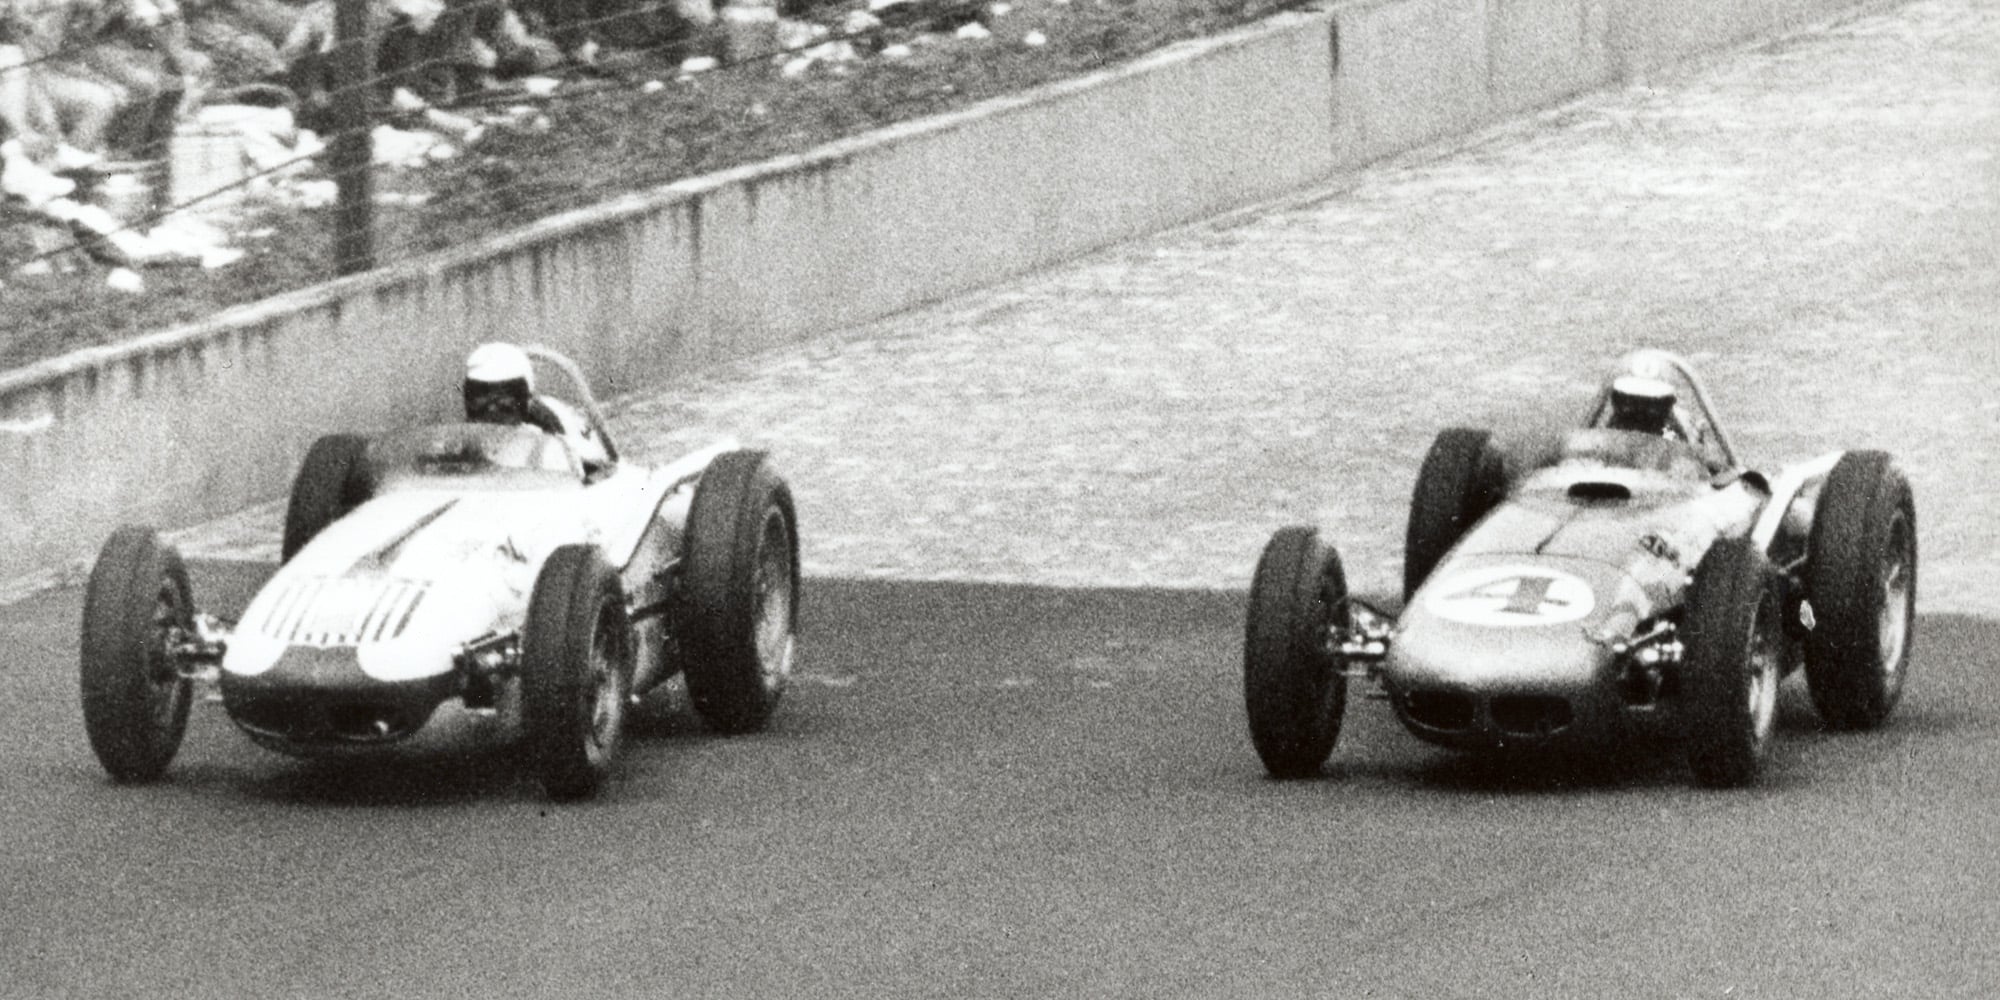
x=1861 y=580
x=742 y=597
x=1294 y=689
x=136 y=608
x=331 y=481
x=1461 y=479
x=1735 y=656
x=576 y=672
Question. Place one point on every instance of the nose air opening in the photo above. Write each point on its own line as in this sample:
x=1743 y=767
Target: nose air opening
x=1599 y=491
x=1530 y=715
x=1448 y=711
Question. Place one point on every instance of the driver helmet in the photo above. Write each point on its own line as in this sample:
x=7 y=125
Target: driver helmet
x=499 y=384
x=1640 y=403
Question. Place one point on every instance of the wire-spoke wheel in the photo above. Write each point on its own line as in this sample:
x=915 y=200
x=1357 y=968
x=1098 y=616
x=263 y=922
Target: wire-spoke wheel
x=1862 y=582
x=1294 y=689
x=738 y=616
x=137 y=609
x=331 y=481
x=606 y=691
x=1461 y=479
x=777 y=581
x=576 y=672
x=1736 y=651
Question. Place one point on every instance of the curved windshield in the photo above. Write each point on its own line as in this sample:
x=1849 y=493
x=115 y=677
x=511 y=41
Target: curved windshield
x=1601 y=448
x=498 y=454
x=1692 y=420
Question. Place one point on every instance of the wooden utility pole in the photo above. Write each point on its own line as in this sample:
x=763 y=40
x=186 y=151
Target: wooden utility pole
x=352 y=152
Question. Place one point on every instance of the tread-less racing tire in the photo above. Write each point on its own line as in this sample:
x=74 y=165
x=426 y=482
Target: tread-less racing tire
x=576 y=672
x=1861 y=579
x=1461 y=479
x=1735 y=656
x=332 y=480
x=741 y=603
x=1294 y=691
x=136 y=606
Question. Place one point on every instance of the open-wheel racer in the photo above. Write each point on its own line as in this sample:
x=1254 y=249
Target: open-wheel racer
x=490 y=576
x=1634 y=577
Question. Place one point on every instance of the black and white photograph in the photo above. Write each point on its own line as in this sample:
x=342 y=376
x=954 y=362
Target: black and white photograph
x=1000 y=499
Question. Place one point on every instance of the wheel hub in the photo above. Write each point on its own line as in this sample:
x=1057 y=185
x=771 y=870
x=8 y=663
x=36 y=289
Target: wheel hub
x=773 y=589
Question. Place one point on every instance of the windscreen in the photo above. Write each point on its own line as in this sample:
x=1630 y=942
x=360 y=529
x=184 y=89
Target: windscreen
x=493 y=454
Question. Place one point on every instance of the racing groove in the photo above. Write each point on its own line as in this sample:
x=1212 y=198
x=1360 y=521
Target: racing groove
x=998 y=791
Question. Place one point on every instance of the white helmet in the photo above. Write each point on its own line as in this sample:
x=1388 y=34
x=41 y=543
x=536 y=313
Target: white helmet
x=499 y=384
x=1641 y=403
x=499 y=363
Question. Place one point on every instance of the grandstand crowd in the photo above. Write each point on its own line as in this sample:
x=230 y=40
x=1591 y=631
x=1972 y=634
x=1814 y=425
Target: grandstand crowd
x=91 y=89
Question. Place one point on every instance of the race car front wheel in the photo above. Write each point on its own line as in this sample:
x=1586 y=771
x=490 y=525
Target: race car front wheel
x=1294 y=689
x=576 y=671
x=331 y=481
x=742 y=599
x=1735 y=656
x=1862 y=581
x=1461 y=479
x=136 y=608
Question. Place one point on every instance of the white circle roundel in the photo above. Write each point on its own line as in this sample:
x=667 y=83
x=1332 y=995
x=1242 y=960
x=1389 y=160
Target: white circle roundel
x=1507 y=596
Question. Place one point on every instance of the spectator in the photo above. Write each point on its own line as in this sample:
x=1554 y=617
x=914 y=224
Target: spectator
x=581 y=27
x=410 y=53
x=143 y=50
x=113 y=74
x=242 y=38
x=25 y=114
x=56 y=99
x=482 y=41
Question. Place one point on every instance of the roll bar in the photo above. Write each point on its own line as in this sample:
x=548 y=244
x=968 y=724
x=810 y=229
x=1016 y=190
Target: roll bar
x=1649 y=359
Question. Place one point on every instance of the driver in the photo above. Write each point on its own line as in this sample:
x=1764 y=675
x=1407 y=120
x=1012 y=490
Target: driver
x=1643 y=404
x=499 y=388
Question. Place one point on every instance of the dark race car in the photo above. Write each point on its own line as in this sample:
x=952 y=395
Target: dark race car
x=1632 y=578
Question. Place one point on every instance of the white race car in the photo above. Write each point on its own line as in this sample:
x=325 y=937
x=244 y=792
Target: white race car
x=463 y=575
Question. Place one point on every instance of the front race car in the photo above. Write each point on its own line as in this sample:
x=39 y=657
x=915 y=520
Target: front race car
x=458 y=585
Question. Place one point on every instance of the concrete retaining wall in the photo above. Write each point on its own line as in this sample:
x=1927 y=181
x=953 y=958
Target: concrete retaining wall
x=203 y=420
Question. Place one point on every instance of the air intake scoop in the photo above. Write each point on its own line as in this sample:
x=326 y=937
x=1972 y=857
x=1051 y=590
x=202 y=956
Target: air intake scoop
x=1591 y=489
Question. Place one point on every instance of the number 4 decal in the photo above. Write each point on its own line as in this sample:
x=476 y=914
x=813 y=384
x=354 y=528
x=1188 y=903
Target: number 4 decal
x=1507 y=596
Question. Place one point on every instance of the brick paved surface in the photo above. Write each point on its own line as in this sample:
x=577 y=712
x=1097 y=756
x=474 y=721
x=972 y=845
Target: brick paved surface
x=1815 y=222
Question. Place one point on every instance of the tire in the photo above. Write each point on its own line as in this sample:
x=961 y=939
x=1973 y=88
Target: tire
x=1861 y=578
x=1526 y=452
x=1294 y=692
x=576 y=673
x=331 y=481
x=135 y=700
x=1735 y=657
x=1461 y=479
x=741 y=599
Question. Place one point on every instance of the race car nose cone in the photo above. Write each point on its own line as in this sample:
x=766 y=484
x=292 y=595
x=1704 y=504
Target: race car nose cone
x=321 y=695
x=406 y=659
x=1471 y=657
x=1509 y=621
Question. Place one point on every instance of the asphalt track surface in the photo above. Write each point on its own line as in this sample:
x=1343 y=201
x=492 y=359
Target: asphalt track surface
x=1010 y=770
x=1001 y=791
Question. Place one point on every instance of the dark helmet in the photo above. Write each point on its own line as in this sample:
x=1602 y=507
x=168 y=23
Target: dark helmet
x=499 y=384
x=1640 y=403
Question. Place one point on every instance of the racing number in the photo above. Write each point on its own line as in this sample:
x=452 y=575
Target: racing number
x=1525 y=595
x=1516 y=595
